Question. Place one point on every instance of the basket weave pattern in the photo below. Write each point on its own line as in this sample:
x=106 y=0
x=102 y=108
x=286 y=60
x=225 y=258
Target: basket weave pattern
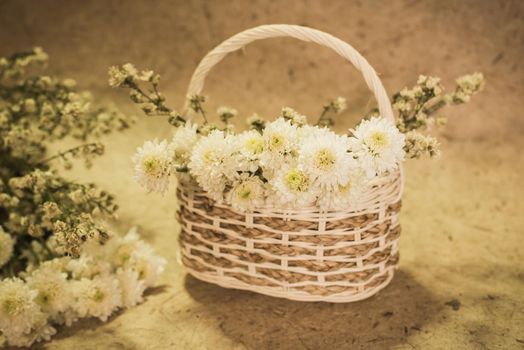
x=303 y=255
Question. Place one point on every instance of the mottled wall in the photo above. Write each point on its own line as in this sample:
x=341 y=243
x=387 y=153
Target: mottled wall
x=400 y=38
x=461 y=216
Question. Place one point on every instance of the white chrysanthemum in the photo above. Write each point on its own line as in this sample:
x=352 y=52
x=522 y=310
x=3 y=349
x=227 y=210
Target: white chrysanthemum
x=153 y=165
x=343 y=196
x=250 y=146
x=131 y=252
x=132 y=287
x=247 y=194
x=379 y=145
x=53 y=290
x=87 y=266
x=184 y=139
x=19 y=313
x=97 y=297
x=293 y=188
x=148 y=265
x=310 y=131
x=6 y=246
x=41 y=331
x=280 y=142
x=326 y=160
x=212 y=163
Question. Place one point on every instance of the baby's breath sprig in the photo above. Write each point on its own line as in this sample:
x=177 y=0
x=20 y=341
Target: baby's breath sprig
x=15 y=65
x=88 y=151
x=196 y=104
x=417 y=109
x=255 y=122
x=151 y=101
x=336 y=106
x=225 y=114
x=35 y=111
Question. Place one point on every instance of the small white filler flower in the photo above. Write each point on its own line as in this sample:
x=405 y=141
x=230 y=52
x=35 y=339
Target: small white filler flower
x=6 y=246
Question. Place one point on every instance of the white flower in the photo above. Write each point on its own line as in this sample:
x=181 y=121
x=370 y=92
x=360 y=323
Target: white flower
x=247 y=194
x=339 y=105
x=6 y=246
x=379 y=145
x=97 y=297
x=21 y=319
x=293 y=116
x=326 y=160
x=148 y=265
x=250 y=146
x=87 y=266
x=53 y=290
x=41 y=331
x=293 y=188
x=153 y=165
x=212 y=163
x=226 y=113
x=343 y=196
x=184 y=139
x=280 y=142
x=131 y=252
x=132 y=288
x=310 y=131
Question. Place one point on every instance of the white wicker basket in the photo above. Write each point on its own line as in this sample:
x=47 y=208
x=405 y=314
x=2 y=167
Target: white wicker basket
x=304 y=254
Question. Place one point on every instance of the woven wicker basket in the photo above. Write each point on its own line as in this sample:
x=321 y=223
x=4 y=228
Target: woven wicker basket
x=303 y=254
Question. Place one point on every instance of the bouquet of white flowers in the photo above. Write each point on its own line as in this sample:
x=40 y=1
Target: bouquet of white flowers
x=290 y=208
x=287 y=162
x=58 y=262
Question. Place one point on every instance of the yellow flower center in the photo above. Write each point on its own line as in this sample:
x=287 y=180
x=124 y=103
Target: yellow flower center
x=209 y=156
x=12 y=305
x=255 y=145
x=378 y=139
x=244 y=191
x=324 y=159
x=152 y=166
x=344 y=189
x=44 y=298
x=296 y=180
x=276 y=142
x=99 y=295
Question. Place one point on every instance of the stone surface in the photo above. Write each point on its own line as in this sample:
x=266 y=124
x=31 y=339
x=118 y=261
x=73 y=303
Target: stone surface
x=461 y=279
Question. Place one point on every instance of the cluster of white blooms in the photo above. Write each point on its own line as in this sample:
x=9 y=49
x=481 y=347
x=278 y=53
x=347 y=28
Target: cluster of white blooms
x=6 y=247
x=285 y=163
x=62 y=290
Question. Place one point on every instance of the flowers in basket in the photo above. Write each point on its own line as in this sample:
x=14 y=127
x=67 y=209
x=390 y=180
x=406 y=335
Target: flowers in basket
x=58 y=262
x=287 y=163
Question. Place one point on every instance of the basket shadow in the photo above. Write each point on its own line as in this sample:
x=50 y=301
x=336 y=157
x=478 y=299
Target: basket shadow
x=262 y=322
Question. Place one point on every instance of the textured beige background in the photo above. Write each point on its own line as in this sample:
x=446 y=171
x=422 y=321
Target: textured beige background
x=462 y=217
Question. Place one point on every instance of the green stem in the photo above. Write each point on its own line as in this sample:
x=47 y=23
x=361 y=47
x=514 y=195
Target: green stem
x=323 y=114
x=64 y=153
x=435 y=107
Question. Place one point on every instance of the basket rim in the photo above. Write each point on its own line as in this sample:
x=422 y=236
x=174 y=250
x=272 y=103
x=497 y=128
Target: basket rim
x=312 y=210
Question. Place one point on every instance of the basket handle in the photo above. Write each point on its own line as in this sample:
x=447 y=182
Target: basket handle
x=299 y=32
